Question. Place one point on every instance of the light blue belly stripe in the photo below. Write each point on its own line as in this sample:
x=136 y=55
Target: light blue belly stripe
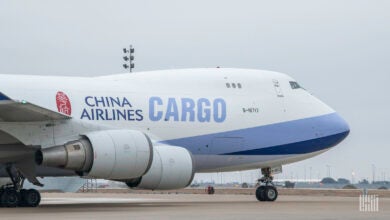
x=292 y=137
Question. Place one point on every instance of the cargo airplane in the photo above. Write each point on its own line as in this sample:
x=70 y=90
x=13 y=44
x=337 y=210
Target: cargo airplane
x=155 y=130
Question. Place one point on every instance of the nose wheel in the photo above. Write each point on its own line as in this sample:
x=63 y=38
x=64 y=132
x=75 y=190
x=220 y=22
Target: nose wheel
x=266 y=191
x=13 y=195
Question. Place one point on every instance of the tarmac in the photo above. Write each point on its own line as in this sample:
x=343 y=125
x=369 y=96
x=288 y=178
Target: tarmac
x=110 y=206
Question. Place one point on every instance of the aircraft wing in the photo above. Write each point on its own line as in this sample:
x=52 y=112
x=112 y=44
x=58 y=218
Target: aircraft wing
x=23 y=111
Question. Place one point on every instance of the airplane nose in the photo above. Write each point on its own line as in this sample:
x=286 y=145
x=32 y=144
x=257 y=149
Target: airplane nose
x=342 y=125
x=337 y=128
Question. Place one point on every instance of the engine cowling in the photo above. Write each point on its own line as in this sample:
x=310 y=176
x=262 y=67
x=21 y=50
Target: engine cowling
x=108 y=154
x=172 y=168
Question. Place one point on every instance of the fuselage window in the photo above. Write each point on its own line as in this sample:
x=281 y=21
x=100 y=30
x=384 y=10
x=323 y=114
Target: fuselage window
x=294 y=85
x=233 y=85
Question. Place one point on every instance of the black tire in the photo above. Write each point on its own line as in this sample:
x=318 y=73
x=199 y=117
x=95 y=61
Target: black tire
x=22 y=193
x=260 y=193
x=10 y=198
x=1 y=193
x=270 y=193
x=31 y=198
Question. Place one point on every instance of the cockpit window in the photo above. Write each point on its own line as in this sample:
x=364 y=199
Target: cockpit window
x=294 y=85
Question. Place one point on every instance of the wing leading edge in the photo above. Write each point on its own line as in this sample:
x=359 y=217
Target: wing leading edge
x=23 y=111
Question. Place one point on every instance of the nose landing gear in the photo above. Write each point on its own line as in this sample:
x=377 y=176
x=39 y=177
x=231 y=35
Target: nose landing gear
x=13 y=195
x=266 y=191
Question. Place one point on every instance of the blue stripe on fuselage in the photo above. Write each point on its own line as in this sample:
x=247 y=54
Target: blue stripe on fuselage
x=302 y=147
x=3 y=97
x=292 y=137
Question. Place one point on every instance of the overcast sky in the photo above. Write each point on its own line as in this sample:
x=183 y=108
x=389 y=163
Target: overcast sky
x=338 y=50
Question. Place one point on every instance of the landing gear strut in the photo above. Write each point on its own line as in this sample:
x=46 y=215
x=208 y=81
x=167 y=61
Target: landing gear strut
x=13 y=195
x=266 y=190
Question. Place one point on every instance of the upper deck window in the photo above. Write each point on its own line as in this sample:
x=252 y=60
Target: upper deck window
x=294 y=85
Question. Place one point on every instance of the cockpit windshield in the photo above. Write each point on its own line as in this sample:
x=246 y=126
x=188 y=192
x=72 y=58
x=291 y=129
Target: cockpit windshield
x=295 y=85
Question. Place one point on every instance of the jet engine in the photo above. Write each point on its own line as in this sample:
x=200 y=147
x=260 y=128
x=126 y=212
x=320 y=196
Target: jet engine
x=172 y=168
x=108 y=154
x=123 y=155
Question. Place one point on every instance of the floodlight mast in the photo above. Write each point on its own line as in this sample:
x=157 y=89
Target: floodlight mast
x=129 y=58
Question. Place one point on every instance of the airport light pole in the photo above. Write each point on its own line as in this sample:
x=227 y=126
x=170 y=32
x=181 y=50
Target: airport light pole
x=328 y=170
x=128 y=58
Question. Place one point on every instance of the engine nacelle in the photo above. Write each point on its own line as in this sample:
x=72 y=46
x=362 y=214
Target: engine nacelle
x=109 y=154
x=172 y=168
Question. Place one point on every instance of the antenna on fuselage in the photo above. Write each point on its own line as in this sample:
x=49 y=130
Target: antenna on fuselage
x=129 y=58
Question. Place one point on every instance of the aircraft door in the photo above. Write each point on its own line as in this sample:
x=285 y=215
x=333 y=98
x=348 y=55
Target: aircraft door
x=279 y=97
x=278 y=89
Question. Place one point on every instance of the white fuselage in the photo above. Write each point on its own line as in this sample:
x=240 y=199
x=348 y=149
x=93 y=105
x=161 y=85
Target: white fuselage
x=229 y=119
